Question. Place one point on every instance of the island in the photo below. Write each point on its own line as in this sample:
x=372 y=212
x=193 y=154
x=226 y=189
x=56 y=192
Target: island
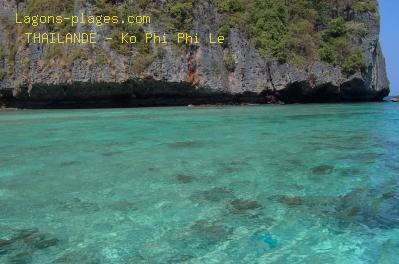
x=262 y=52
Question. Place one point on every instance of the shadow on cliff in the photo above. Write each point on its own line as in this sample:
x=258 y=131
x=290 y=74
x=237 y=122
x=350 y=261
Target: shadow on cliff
x=132 y=93
x=353 y=90
x=149 y=92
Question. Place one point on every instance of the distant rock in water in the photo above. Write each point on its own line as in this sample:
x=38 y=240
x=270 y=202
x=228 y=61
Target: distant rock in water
x=395 y=99
x=290 y=66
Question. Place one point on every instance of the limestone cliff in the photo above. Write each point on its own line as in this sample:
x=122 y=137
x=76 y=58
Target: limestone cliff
x=239 y=71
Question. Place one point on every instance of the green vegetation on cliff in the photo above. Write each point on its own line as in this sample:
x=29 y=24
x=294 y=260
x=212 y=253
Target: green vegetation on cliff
x=301 y=31
x=294 y=31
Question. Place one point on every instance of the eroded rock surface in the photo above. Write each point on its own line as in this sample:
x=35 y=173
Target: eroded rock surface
x=195 y=76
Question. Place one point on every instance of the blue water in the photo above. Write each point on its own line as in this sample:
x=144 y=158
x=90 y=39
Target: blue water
x=264 y=184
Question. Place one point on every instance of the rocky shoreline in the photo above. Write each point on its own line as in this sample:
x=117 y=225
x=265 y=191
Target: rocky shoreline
x=148 y=94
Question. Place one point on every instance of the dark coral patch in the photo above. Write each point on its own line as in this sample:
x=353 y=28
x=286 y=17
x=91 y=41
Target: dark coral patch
x=211 y=232
x=289 y=200
x=296 y=162
x=124 y=206
x=79 y=257
x=152 y=169
x=69 y=163
x=242 y=206
x=112 y=153
x=350 y=171
x=199 y=238
x=185 y=178
x=41 y=241
x=233 y=166
x=23 y=244
x=76 y=204
x=239 y=163
x=214 y=195
x=322 y=169
x=374 y=208
x=4 y=243
x=230 y=169
x=186 y=144
x=35 y=239
x=24 y=257
x=180 y=259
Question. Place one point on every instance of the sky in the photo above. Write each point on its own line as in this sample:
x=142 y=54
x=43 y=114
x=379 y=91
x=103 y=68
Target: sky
x=389 y=10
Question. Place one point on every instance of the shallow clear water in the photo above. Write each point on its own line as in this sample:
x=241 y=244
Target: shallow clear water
x=265 y=184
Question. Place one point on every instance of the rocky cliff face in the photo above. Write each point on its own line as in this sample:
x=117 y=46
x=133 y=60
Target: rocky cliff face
x=35 y=75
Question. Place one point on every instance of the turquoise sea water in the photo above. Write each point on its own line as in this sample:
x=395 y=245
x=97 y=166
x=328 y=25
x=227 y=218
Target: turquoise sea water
x=264 y=184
